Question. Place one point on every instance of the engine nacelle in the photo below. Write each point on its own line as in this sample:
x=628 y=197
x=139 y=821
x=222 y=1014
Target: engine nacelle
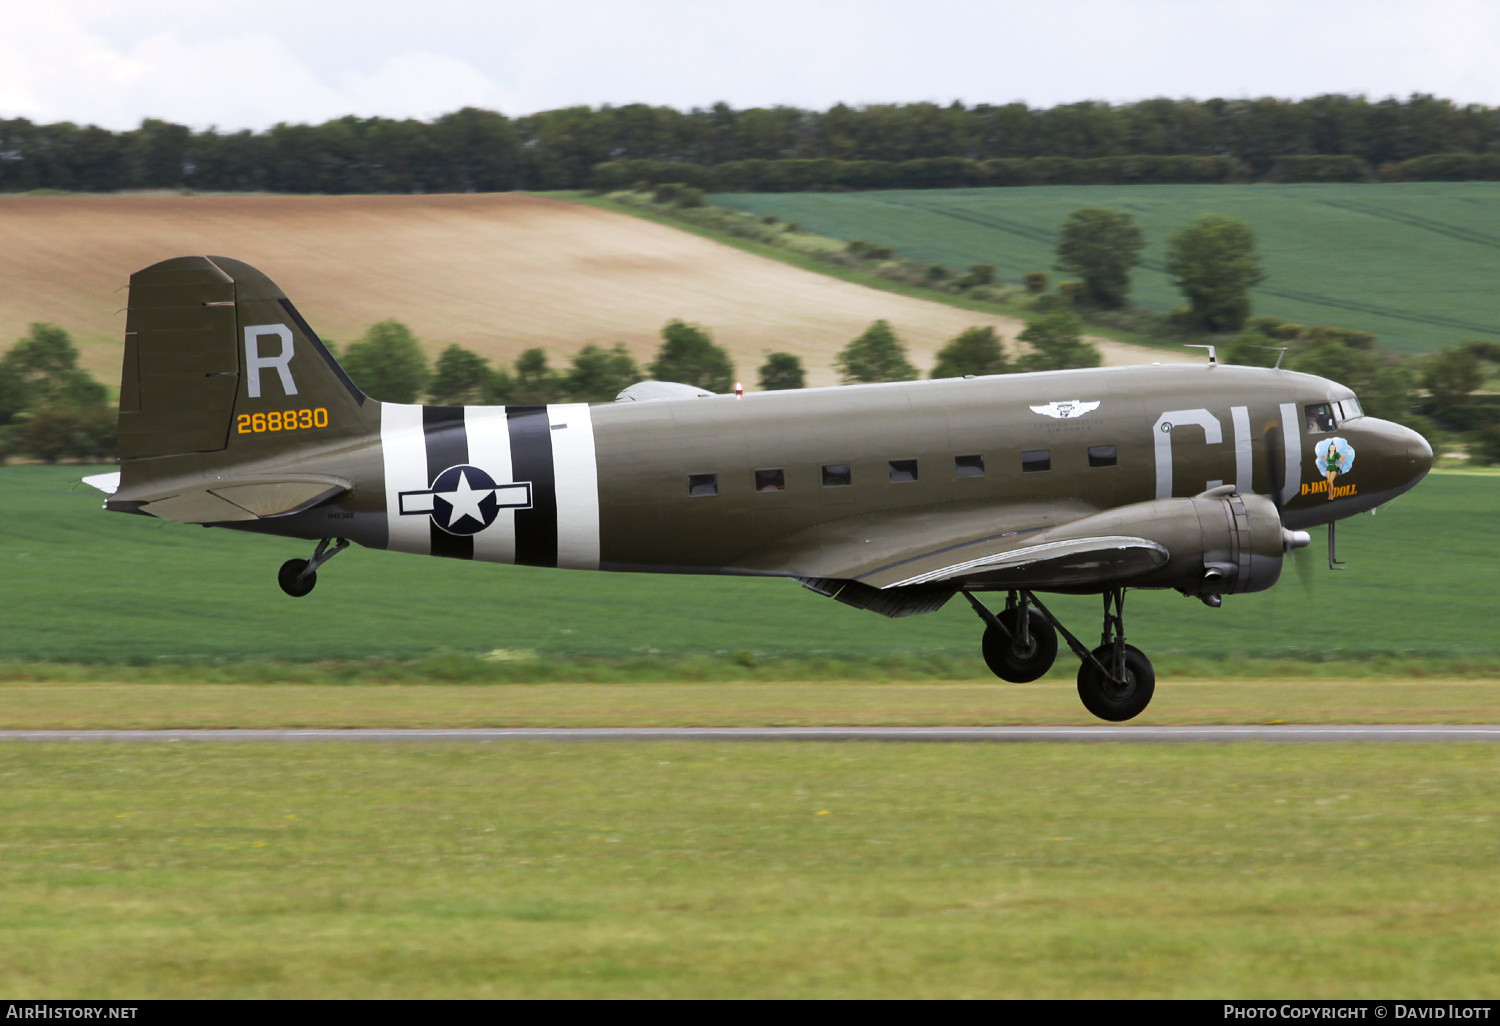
x=1221 y=542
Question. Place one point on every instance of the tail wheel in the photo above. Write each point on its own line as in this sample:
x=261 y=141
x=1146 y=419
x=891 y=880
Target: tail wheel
x=1117 y=700
x=292 y=579
x=1007 y=660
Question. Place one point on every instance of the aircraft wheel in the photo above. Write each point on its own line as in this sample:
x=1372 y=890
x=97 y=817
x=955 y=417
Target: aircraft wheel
x=1008 y=662
x=1116 y=702
x=291 y=583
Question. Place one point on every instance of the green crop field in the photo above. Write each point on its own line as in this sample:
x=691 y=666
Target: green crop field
x=752 y=870
x=1410 y=262
x=83 y=585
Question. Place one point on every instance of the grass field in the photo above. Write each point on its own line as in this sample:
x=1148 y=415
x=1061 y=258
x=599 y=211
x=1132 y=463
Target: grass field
x=1335 y=697
x=1410 y=262
x=82 y=585
x=868 y=870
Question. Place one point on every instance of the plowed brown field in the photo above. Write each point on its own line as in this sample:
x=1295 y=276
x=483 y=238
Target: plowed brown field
x=496 y=273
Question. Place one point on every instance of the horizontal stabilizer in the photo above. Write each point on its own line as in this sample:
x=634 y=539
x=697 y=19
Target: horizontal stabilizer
x=238 y=499
x=106 y=483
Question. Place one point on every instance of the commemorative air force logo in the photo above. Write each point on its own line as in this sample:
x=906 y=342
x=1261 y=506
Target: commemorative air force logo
x=465 y=500
x=1065 y=409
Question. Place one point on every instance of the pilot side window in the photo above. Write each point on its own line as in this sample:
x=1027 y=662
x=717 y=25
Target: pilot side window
x=836 y=475
x=1319 y=418
x=1348 y=409
x=703 y=484
x=770 y=480
x=903 y=470
x=968 y=466
x=1033 y=460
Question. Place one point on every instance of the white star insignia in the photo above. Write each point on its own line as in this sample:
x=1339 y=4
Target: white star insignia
x=465 y=501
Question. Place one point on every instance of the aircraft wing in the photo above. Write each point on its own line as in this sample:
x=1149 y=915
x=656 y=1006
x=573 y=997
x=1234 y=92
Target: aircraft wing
x=912 y=561
x=235 y=499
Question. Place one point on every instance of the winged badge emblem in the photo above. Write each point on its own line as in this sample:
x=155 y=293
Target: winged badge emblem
x=1065 y=409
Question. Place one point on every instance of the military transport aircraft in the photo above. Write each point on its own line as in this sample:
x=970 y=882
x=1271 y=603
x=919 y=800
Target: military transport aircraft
x=892 y=498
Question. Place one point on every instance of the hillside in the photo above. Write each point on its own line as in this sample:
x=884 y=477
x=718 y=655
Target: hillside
x=498 y=273
x=1412 y=262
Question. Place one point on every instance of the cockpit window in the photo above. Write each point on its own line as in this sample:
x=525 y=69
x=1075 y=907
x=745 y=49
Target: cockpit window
x=1349 y=409
x=1319 y=418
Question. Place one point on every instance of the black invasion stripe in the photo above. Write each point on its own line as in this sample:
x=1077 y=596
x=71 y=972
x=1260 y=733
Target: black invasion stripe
x=312 y=336
x=447 y=446
x=531 y=460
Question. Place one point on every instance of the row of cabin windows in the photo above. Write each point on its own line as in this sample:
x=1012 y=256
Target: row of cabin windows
x=838 y=475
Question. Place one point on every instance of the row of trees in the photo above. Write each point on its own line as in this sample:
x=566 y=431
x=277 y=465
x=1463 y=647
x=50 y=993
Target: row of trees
x=388 y=363
x=484 y=151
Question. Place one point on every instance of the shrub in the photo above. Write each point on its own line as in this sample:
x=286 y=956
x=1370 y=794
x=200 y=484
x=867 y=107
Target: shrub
x=1072 y=291
x=936 y=273
x=1056 y=344
x=535 y=383
x=975 y=351
x=877 y=355
x=598 y=375
x=1035 y=282
x=689 y=197
x=1252 y=348
x=1342 y=336
x=979 y=276
x=1214 y=264
x=1101 y=246
x=1275 y=327
x=51 y=433
x=689 y=355
x=460 y=378
x=782 y=371
x=387 y=363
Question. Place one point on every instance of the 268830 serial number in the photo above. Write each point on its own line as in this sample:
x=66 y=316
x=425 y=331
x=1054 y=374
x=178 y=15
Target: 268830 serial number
x=281 y=420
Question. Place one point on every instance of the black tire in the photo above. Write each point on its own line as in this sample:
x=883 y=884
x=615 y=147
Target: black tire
x=1110 y=701
x=1005 y=662
x=291 y=581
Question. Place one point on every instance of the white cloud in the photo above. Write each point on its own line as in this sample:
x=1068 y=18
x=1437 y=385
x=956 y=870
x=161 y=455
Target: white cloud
x=239 y=63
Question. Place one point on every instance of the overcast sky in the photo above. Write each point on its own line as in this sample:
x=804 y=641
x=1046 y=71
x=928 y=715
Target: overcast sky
x=252 y=63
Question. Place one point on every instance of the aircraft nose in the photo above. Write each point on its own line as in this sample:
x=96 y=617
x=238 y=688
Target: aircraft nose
x=1418 y=453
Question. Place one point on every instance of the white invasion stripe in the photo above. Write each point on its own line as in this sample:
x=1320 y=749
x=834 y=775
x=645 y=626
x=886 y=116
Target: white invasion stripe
x=403 y=447
x=1291 y=433
x=577 y=486
x=1032 y=553
x=489 y=450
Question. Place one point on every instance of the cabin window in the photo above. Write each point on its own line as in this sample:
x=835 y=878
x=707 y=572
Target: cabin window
x=1102 y=456
x=836 y=475
x=770 y=480
x=703 y=484
x=1319 y=418
x=903 y=470
x=968 y=466
x=1033 y=460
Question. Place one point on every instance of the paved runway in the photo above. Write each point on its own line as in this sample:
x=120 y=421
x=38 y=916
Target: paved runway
x=1278 y=733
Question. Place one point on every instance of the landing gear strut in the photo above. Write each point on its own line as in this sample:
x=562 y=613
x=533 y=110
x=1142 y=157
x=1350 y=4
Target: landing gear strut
x=1115 y=680
x=1019 y=644
x=298 y=577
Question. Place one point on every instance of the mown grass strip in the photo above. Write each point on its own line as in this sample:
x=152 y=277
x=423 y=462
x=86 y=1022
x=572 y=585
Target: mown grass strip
x=775 y=870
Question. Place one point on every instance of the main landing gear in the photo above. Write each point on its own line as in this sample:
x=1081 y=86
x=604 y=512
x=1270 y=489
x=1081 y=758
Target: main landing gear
x=1115 y=680
x=298 y=577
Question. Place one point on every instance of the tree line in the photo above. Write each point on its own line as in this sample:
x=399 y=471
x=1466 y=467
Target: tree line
x=1332 y=137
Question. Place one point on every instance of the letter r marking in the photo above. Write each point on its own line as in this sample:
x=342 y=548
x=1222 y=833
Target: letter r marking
x=255 y=363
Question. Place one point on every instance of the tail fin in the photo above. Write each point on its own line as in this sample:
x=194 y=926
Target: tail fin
x=222 y=375
x=215 y=355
